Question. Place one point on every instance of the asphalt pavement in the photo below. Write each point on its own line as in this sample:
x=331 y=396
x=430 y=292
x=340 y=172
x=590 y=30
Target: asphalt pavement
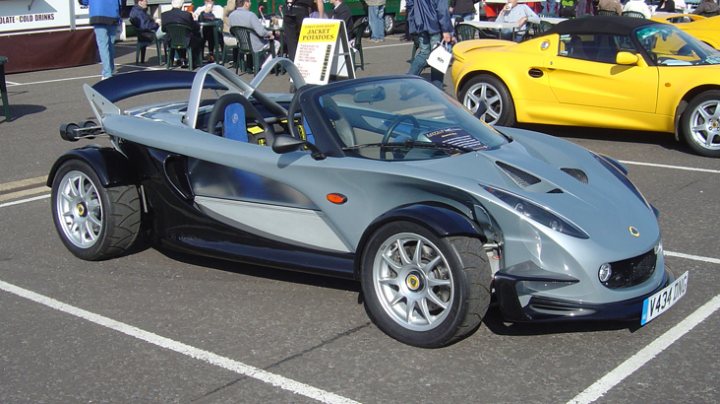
x=150 y=327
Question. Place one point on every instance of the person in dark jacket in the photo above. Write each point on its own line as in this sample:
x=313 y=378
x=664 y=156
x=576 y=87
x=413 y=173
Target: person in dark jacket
x=430 y=21
x=295 y=12
x=464 y=9
x=177 y=15
x=145 y=26
x=105 y=19
x=341 y=11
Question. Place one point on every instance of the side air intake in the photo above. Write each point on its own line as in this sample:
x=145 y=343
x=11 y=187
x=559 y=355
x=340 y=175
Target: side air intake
x=521 y=177
x=577 y=174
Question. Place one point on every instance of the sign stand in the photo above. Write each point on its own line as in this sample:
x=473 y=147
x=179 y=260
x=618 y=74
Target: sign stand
x=323 y=51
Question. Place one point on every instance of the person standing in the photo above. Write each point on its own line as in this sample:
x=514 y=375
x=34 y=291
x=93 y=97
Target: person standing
x=462 y=10
x=376 y=18
x=430 y=21
x=549 y=8
x=567 y=8
x=341 y=11
x=105 y=19
x=295 y=12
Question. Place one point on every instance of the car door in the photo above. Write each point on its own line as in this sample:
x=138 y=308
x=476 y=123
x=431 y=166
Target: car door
x=584 y=74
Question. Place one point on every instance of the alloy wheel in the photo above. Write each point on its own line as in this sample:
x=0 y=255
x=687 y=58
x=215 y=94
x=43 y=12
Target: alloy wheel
x=413 y=281
x=79 y=209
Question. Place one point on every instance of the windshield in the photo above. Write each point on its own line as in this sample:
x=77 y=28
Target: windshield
x=403 y=119
x=669 y=46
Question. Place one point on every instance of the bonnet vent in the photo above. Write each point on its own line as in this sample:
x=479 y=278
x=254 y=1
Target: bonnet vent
x=521 y=177
x=577 y=174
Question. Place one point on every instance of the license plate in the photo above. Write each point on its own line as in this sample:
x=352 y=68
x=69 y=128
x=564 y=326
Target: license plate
x=661 y=301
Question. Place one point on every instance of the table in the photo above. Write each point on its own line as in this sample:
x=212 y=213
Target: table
x=278 y=35
x=498 y=27
x=553 y=20
x=217 y=36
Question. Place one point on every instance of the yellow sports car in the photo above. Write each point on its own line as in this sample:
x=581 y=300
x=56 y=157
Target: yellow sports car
x=608 y=72
x=702 y=28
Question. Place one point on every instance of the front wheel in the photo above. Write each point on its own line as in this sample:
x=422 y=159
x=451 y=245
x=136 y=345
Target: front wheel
x=488 y=89
x=424 y=290
x=700 y=124
x=93 y=222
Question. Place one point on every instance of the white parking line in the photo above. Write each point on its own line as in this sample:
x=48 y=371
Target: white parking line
x=684 y=168
x=34 y=198
x=187 y=350
x=53 y=81
x=635 y=362
x=692 y=257
x=21 y=193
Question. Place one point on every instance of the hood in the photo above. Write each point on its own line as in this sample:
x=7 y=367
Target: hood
x=574 y=184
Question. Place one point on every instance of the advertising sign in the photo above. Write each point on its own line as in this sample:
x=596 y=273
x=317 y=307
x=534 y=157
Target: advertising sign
x=25 y=15
x=318 y=50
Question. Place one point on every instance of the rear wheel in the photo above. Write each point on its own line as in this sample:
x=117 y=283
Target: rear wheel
x=424 y=290
x=92 y=221
x=493 y=92
x=700 y=124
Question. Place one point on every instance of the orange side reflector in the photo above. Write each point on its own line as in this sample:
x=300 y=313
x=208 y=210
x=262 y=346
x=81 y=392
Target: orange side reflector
x=337 y=199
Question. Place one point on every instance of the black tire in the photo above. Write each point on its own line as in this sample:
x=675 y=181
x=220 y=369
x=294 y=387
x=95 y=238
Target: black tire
x=366 y=32
x=94 y=222
x=484 y=87
x=460 y=280
x=389 y=20
x=700 y=124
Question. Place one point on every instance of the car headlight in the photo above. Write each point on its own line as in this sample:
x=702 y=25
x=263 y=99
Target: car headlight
x=537 y=213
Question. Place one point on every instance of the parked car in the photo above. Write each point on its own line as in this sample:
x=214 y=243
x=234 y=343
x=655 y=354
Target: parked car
x=606 y=72
x=386 y=180
x=702 y=28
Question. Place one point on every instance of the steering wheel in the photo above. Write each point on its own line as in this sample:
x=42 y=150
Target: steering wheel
x=393 y=125
x=218 y=114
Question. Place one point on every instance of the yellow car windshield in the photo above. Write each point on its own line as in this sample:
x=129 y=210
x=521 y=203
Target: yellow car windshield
x=668 y=46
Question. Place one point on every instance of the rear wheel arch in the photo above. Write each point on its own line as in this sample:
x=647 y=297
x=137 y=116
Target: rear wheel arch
x=94 y=221
x=111 y=166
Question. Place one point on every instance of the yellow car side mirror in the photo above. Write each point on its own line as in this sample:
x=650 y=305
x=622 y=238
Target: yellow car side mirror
x=626 y=58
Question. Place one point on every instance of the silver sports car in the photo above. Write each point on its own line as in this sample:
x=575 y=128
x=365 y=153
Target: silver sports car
x=385 y=180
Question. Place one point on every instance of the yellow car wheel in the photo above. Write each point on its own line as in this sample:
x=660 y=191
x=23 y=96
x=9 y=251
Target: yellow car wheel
x=488 y=89
x=700 y=124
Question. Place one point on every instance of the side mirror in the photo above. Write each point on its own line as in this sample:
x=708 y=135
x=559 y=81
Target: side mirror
x=626 y=58
x=285 y=144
